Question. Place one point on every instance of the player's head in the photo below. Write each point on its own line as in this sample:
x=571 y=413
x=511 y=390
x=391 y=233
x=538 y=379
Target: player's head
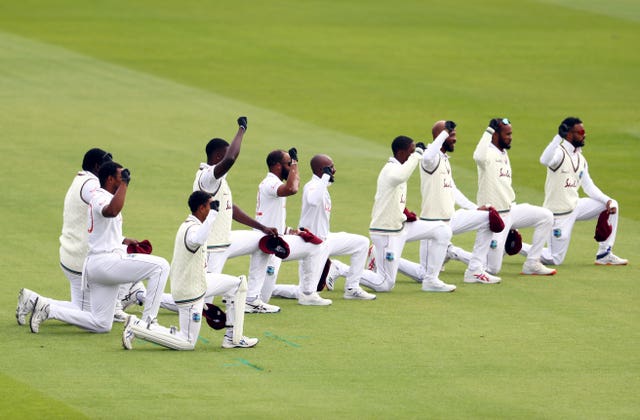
x=197 y=199
x=94 y=158
x=402 y=147
x=279 y=163
x=215 y=150
x=576 y=135
x=318 y=162
x=109 y=175
x=449 y=143
x=502 y=136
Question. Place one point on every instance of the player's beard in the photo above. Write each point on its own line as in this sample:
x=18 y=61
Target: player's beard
x=577 y=143
x=504 y=145
x=448 y=147
x=284 y=174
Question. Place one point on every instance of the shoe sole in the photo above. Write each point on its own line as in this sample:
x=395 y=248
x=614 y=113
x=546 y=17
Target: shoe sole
x=538 y=274
x=315 y=304
x=359 y=298
x=605 y=264
x=35 y=307
x=439 y=290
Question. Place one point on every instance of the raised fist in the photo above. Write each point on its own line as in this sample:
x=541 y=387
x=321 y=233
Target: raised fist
x=421 y=145
x=327 y=170
x=495 y=124
x=449 y=126
x=293 y=152
x=215 y=205
x=242 y=122
x=563 y=130
x=126 y=176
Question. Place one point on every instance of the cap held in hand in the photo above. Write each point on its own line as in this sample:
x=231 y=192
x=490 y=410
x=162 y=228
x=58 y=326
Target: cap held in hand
x=513 y=244
x=496 y=224
x=275 y=245
x=603 y=228
x=143 y=247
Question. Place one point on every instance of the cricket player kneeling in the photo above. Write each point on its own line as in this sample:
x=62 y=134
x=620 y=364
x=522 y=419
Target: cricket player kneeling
x=189 y=282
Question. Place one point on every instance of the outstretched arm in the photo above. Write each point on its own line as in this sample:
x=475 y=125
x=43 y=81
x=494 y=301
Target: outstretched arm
x=241 y=217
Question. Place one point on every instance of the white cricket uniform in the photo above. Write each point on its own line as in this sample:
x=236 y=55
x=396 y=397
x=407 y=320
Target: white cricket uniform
x=315 y=217
x=74 y=238
x=107 y=266
x=271 y=211
x=389 y=230
x=190 y=283
x=494 y=188
x=567 y=172
x=224 y=243
x=439 y=197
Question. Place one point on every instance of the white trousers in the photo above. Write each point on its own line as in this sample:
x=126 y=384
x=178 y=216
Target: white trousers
x=461 y=221
x=190 y=315
x=265 y=267
x=388 y=253
x=339 y=243
x=104 y=274
x=243 y=242
x=80 y=298
x=558 y=242
x=217 y=285
x=520 y=216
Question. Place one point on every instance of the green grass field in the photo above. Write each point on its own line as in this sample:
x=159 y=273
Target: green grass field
x=152 y=81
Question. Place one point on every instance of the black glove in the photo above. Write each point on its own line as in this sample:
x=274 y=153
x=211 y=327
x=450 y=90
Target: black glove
x=215 y=205
x=242 y=122
x=449 y=126
x=327 y=170
x=495 y=124
x=563 y=130
x=293 y=153
x=421 y=145
x=126 y=176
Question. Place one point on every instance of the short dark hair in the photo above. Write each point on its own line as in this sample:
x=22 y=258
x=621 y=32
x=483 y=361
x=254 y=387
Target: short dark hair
x=198 y=198
x=106 y=170
x=571 y=121
x=214 y=145
x=275 y=157
x=400 y=143
x=95 y=157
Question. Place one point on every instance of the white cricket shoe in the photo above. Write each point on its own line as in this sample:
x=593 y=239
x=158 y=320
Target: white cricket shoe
x=357 y=293
x=611 y=259
x=26 y=299
x=245 y=342
x=333 y=275
x=536 y=268
x=132 y=296
x=371 y=259
x=40 y=314
x=480 y=277
x=437 y=285
x=259 y=307
x=127 y=332
x=313 y=299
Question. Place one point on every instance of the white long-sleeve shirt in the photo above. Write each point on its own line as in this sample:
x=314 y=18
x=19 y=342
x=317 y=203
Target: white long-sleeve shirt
x=188 y=265
x=494 y=174
x=387 y=215
x=439 y=191
x=315 y=214
x=567 y=171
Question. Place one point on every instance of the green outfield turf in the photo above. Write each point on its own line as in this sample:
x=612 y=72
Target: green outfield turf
x=152 y=81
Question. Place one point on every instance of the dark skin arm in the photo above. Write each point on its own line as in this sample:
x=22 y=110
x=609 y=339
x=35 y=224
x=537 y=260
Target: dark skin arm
x=242 y=217
x=230 y=157
x=117 y=202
